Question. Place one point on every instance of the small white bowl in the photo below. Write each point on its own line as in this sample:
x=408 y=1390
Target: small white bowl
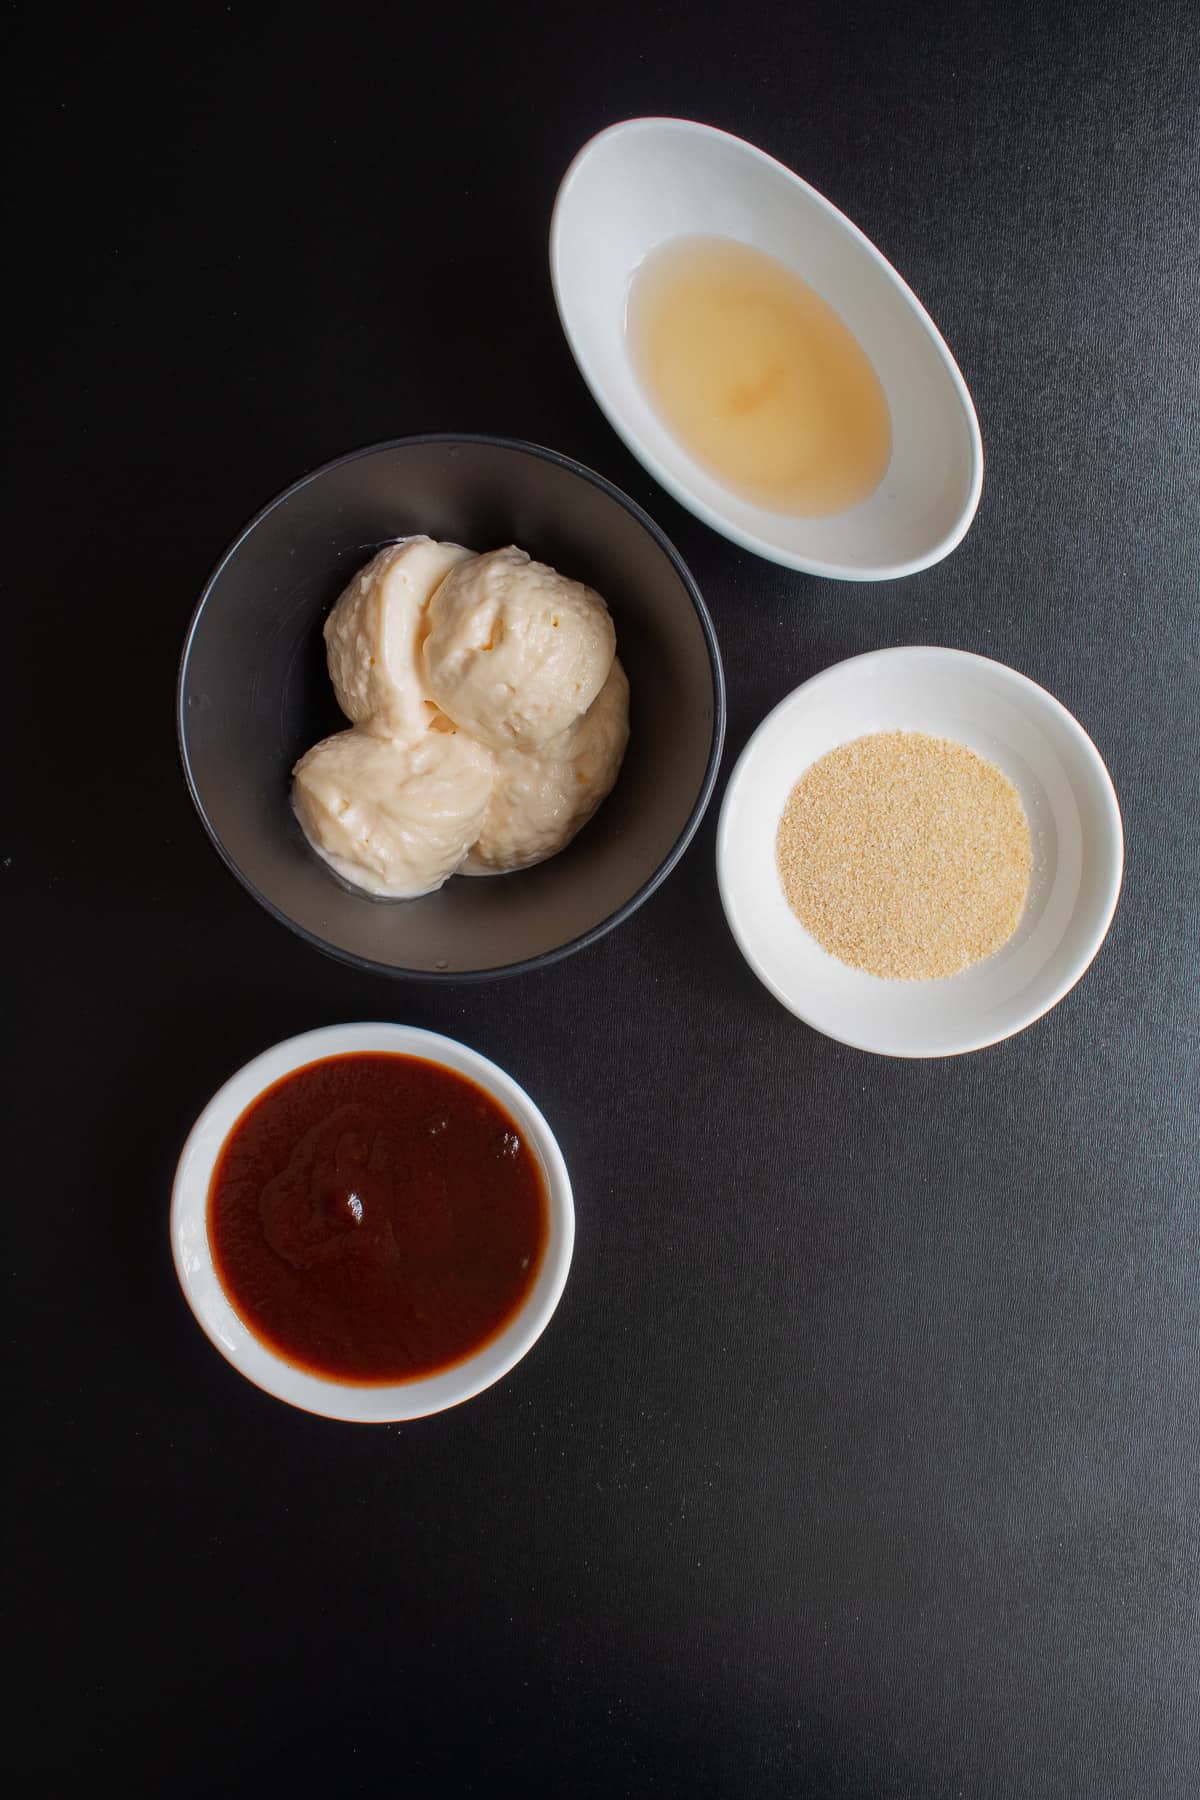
x=249 y=1355
x=646 y=181
x=1074 y=820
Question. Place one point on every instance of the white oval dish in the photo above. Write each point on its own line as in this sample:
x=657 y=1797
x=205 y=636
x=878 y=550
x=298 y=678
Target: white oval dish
x=249 y=1355
x=1074 y=820
x=641 y=183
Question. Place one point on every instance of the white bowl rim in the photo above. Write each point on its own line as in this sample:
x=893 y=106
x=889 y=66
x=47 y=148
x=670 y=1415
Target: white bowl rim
x=394 y=1402
x=1045 y=702
x=664 y=474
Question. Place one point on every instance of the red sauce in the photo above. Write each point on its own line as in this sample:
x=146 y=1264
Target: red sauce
x=375 y=1218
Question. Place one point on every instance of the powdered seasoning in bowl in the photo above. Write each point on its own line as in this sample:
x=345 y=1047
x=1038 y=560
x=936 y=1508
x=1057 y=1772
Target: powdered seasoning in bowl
x=906 y=855
x=1075 y=842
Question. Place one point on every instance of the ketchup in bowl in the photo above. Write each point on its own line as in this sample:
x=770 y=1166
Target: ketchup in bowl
x=376 y=1218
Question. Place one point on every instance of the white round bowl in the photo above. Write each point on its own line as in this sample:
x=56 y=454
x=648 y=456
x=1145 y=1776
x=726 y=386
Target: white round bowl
x=643 y=182
x=1068 y=799
x=250 y=1356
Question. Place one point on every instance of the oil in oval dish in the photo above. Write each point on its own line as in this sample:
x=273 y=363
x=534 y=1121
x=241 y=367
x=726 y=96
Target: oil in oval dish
x=758 y=377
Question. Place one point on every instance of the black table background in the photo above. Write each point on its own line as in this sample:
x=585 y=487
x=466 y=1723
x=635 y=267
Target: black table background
x=862 y=1454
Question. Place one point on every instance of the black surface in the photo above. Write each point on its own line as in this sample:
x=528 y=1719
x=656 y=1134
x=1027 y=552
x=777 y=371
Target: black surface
x=862 y=1455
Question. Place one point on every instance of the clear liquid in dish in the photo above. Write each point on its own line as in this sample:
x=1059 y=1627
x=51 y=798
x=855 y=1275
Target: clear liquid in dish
x=758 y=377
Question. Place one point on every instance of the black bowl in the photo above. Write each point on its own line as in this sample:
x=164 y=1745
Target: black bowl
x=254 y=693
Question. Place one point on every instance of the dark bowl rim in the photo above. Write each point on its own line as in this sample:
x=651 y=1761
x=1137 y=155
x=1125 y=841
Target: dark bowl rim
x=462 y=976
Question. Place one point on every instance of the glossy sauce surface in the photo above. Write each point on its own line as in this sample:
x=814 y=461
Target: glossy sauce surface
x=376 y=1218
x=758 y=377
